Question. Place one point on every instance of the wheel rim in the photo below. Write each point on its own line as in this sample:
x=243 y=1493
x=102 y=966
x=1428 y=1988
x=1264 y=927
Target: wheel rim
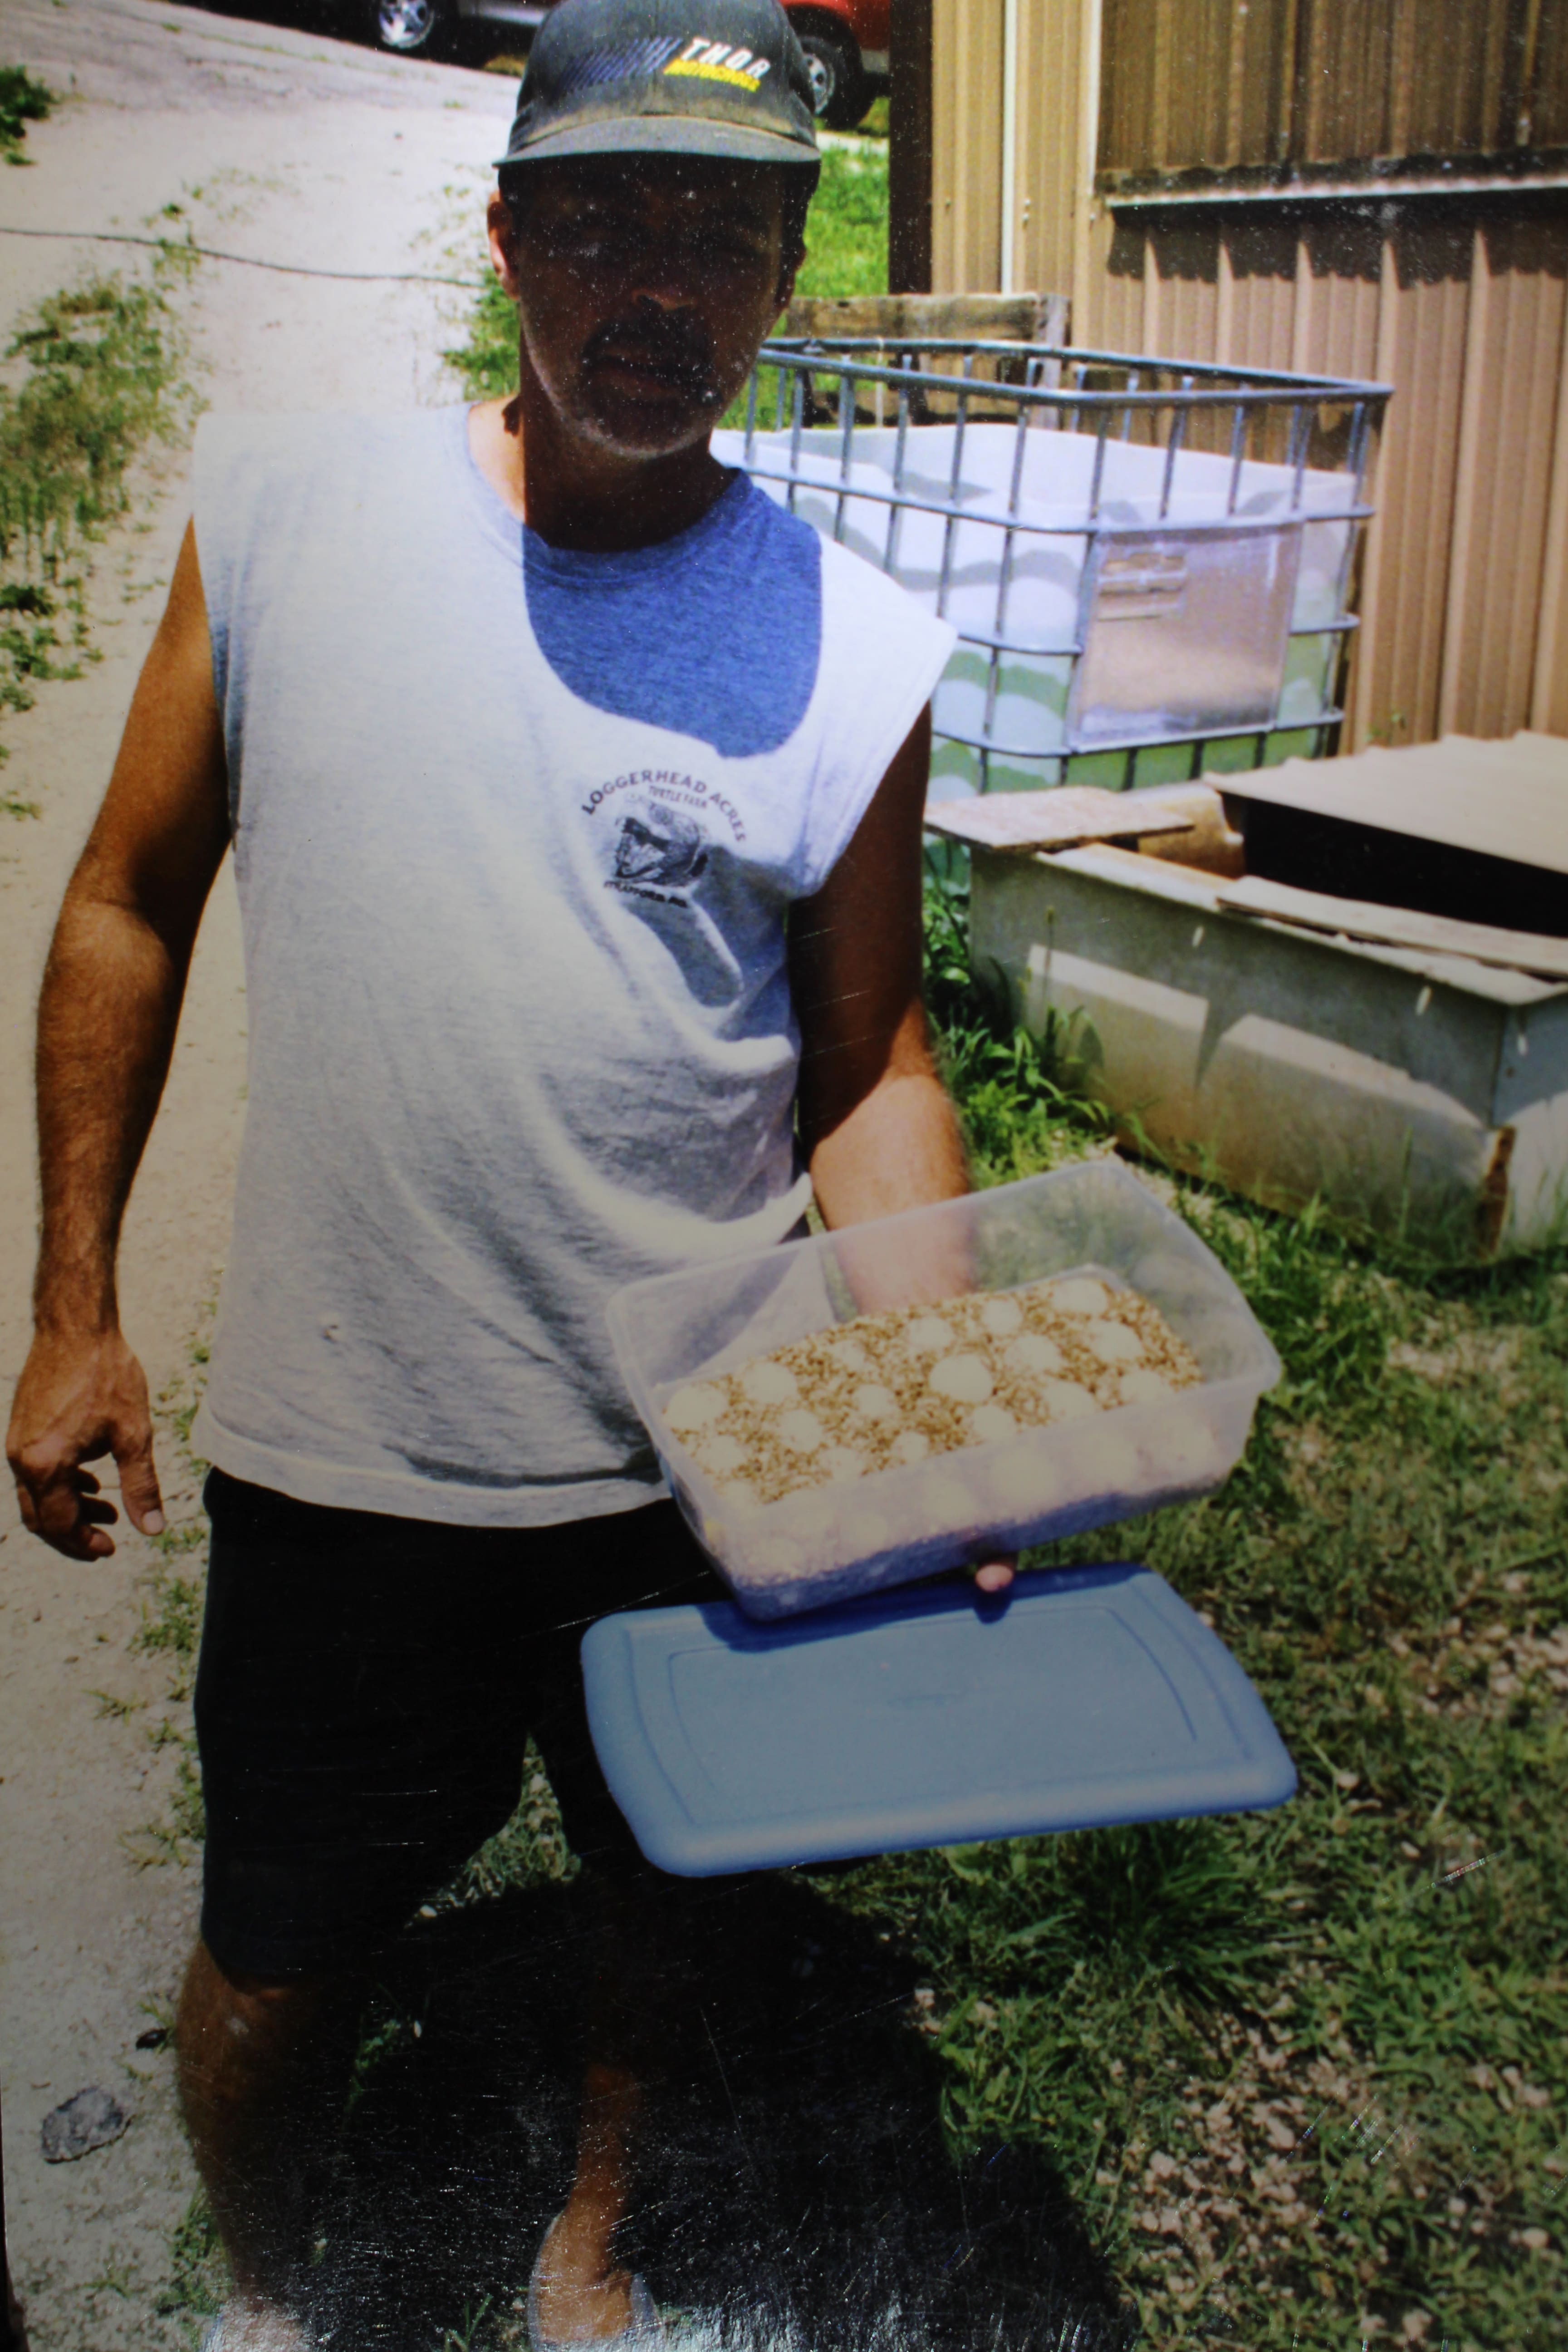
x=823 y=81
x=405 y=23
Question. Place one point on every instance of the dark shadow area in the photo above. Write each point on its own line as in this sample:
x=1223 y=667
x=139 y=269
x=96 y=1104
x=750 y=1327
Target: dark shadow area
x=794 y=2190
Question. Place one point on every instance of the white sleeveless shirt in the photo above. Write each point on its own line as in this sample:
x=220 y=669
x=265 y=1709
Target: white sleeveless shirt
x=515 y=832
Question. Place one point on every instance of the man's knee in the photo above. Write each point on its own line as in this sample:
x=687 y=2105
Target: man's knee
x=231 y=2022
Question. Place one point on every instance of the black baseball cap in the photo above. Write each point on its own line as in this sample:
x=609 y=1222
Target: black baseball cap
x=720 y=78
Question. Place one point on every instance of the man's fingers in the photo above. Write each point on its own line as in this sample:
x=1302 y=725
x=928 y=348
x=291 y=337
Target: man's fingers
x=139 y=1483
x=995 y=1575
x=64 y=1518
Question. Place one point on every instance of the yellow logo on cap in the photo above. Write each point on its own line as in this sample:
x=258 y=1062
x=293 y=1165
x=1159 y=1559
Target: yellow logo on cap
x=706 y=60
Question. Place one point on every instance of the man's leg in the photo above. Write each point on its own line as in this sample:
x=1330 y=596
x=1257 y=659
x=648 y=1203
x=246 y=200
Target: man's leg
x=634 y=1920
x=583 y=2293
x=355 y=1746
x=264 y=2071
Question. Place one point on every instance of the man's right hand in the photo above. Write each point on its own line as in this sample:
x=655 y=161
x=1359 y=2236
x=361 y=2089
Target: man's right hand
x=81 y=1396
x=107 y=1016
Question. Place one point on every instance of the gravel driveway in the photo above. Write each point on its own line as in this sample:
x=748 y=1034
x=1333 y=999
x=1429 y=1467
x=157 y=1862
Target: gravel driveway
x=311 y=156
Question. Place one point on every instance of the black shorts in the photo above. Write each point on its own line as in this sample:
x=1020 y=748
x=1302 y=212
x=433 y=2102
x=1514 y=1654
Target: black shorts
x=364 y=1694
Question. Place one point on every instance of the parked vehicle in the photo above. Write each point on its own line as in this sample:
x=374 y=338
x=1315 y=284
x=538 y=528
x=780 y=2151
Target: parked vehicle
x=846 y=41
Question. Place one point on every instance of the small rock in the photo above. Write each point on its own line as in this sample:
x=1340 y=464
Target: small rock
x=91 y=2119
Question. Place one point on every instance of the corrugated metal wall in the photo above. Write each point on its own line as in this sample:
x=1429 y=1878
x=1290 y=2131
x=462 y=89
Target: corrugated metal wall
x=1461 y=303
x=1213 y=84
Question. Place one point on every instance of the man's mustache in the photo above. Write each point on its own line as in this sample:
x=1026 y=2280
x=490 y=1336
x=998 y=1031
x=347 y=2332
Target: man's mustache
x=668 y=348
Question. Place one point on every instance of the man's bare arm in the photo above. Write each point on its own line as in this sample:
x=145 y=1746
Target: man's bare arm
x=110 y=1003
x=878 y=1129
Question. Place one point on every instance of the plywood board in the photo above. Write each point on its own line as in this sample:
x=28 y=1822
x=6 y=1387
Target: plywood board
x=1050 y=820
x=1397 y=927
x=987 y=318
x=1502 y=800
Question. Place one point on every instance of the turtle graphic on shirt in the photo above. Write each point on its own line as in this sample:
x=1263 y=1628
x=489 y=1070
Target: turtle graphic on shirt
x=660 y=847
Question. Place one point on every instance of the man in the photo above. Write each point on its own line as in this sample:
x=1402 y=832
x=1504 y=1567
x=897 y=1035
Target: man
x=575 y=796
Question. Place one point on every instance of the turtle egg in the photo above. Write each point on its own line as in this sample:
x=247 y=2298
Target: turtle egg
x=800 y=1431
x=964 y=1379
x=1105 y=1463
x=1031 y=1354
x=928 y=1334
x=1080 y=1296
x=946 y=1503
x=1185 y=1455
x=1065 y=1401
x=992 y=1424
x=1022 y=1482
x=1144 y=1387
x=777 y=1559
x=1113 y=1343
x=911 y=1446
x=694 y=1406
x=722 y=1456
x=1002 y=1316
x=847 y=1355
x=841 y=1463
x=874 y=1403
x=765 y=1383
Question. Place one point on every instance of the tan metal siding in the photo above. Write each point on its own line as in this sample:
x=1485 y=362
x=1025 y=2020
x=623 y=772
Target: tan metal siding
x=967 y=141
x=1549 y=694
x=1512 y=355
x=1464 y=596
x=1214 y=85
x=1544 y=114
x=1050 y=61
x=1422 y=311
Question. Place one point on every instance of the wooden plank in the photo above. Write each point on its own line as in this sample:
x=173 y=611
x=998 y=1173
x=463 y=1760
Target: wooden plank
x=1507 y=799
x=1398 y=926
x=1050 y=820
x=989 y=318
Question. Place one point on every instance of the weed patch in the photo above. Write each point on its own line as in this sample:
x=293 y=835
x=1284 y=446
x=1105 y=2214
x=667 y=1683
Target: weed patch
x=92 y=376
x=22 y=101
x=198 y=2277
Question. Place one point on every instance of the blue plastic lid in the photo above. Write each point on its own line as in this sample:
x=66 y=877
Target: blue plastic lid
x=935 y=1718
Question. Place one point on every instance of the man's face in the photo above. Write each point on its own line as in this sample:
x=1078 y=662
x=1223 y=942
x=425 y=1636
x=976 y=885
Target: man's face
x=644 y=287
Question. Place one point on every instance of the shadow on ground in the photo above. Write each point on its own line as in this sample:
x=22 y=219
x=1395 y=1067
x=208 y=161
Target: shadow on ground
x=795 y=2188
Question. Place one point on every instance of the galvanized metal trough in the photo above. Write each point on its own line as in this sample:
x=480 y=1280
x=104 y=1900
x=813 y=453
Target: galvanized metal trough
x=1405 y=1065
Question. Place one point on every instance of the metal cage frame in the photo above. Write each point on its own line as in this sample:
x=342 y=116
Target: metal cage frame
x=856 y=381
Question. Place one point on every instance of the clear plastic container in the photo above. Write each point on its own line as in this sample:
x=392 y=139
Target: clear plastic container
x=830 y=1543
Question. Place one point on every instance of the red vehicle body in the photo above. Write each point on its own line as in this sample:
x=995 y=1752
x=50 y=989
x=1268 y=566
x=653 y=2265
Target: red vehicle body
x=846 y=41
x=846 y=44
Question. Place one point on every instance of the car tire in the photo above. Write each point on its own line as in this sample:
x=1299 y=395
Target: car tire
x=410 y=28
x=839 y=89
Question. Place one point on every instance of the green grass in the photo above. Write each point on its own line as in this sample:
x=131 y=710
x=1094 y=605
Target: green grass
x=847 y=234
x=22 y=101
x=198 y=2277
x=92 y=375
x=847 y=229
x=1306 y=2074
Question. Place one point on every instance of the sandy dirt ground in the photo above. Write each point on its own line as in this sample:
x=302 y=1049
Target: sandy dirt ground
x=312 y=154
